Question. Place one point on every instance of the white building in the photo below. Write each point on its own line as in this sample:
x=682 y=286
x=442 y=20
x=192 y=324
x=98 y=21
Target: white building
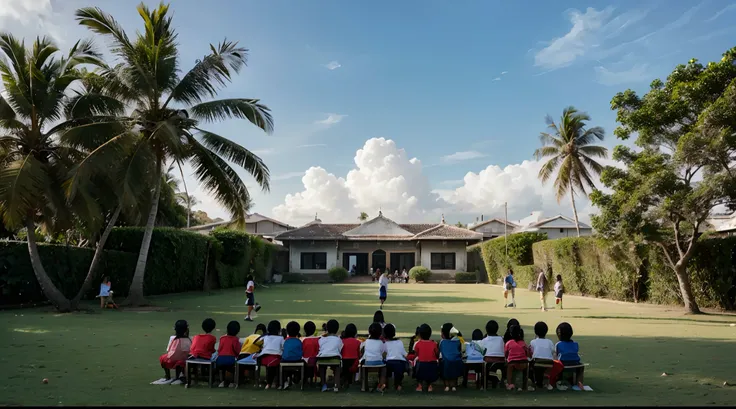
x=493 y=228
x=558 y=227
x=378 y=243
x=256 y=224
x=722 y=223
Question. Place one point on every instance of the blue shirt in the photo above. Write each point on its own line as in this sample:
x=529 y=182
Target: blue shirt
x=567 y=351
x=451 y=350
x=292 y=350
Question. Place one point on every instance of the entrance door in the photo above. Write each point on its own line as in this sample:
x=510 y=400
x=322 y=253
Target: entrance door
x=359 y=260
x=400 y=261
x=379 y=260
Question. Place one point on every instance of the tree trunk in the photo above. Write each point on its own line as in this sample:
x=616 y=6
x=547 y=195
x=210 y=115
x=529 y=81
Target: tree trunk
x=574 y=210
x=685 y=288
x=97 y=257
x=47 y=286
x=135 y=294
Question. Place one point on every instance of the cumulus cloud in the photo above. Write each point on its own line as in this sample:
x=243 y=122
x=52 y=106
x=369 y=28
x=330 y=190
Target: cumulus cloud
x=332 y=65
x=384 y=177
x=30 y=18
x=331 y=119
x=461 y=156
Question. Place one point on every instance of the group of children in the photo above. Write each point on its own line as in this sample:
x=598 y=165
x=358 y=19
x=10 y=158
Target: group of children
x=509 y=288
x=344 y=352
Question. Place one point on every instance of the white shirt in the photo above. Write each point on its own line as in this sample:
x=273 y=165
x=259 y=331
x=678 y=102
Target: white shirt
x=383 y=282
x=373 y=350
x=558 y=287
x=542 y=348
x=272 y=345
x=404 y=274
x=249 y=285
x=330 y=346
x=493 y=346
x=395 y=350
x=473 y=353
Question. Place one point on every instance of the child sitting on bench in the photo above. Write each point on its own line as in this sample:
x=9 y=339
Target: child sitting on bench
x=543 y=350
x=293 y=350
x=517 y=357
x=494 y=355
x=227 y=352
x=176 y=354
x=568 y=351
x=330 y=353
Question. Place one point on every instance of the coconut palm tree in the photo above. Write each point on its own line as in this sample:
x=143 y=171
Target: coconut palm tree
x=167 y=110
x=571 y=151
x=33 y=164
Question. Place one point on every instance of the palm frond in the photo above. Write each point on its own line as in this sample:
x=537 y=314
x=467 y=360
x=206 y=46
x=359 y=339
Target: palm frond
x=211 y=72
x=89 y=136
x=564 y=175
x=221 y=180
x=581 y=176
x=549 y=139
x=545 y=151
x=135 y=175
x=548 y=168
x=8 y=117
x=102 y=23
x=250 y=109
x=590 y=135
x=22 y=185
x=594 y=166
x=239 y=155
x=85 y=104
x=594 y=151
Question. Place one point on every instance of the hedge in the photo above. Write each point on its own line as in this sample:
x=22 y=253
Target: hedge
x=462 y=277
x=420 y=274
x=519 y=253
x=338 y=274
x=67 y=267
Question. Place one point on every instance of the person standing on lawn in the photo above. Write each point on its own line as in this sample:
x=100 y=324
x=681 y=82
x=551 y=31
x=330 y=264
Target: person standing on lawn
x=383 y=288
x=250 y=299
x=542 y=288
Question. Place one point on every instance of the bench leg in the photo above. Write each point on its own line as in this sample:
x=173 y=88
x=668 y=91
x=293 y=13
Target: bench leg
x=189 y=375
x=301 y=378
x=236 y=376
x=281 y=376
x=210 y=371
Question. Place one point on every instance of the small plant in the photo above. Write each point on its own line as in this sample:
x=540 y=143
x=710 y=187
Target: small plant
x=337 y=274
x=420 y=274
x=462 y=277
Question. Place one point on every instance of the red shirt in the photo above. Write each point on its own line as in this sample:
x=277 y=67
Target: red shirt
x=229 y=346
x=427 y=351
x=350 y=348
x=203 y=346
x=516 y=351
x=310 y=347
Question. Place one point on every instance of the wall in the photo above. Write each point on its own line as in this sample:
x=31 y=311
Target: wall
x=298 y=247
x=264 y=227
x=458 y=247
x=554 y=233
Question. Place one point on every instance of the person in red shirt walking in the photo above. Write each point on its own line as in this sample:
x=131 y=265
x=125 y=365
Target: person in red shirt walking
x=350 y=354
x=427 y=357
x=228 y=352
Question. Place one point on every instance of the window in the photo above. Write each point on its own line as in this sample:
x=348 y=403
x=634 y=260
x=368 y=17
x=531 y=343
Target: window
x=443 y=261
x=562 y=230
x=314 y=261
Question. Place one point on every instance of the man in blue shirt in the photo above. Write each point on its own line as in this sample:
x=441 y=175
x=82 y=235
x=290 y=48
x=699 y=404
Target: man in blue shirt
x=509 y=285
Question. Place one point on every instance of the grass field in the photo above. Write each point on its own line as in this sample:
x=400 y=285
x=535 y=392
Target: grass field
x=109 y=357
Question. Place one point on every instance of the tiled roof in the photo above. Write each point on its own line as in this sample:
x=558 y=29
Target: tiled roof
x=421 y=231
x=446 y=231
x=541 y=223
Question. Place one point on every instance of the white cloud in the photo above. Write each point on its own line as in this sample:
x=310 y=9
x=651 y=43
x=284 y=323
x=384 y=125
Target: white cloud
x=30 y=18
x=637 y=73
x=461 y=156
x=332 y=65
x=287 y=175
x=721 y=12
x=452 y=182
x=497 y=79
x=504 y=72
x=264 y=152
x=383 y=177
x=331 y=119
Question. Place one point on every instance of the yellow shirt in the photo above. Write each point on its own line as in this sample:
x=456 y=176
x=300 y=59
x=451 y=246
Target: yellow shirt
x=250 y=346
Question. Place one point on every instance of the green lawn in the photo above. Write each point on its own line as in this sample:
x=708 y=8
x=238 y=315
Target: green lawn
x=109 y=357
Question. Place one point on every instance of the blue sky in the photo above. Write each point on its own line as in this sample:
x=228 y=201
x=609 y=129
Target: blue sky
x=462 y=86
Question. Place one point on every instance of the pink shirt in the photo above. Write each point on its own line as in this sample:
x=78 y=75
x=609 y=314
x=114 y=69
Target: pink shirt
x=179 y=349
x=516 y=351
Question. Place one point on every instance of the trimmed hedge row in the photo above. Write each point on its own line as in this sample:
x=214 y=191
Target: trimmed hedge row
x=593 y=266
x=420 y=274
x=519 y=253
x=462 y=277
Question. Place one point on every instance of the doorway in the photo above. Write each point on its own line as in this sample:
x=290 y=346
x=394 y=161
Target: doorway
x=402 y=260
x=379 y=260
x=359 y=260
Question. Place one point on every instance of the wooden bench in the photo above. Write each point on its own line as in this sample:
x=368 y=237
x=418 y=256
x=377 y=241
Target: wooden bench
x=193 y=364
x=253 y=364
x=363 y=370
x=290 y=365
x=575 y=369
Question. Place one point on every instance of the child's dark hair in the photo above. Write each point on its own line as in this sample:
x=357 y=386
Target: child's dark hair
x=540 y=329
x=559 y=277
x=274 y=328
x=477 y=334
x=492 y=328
x=292 y=329
x=332 y=326
x=414 y=339
x=260 y=327
x=208 y=325
x=512 y=321
x=445 y=330
x=389 y=332
x=564 y=331
x=350 y=331
x=181 y=327
x=248 y=278
x=515 y=333
x=507 y=335
x=375 y=331
x=378 y=317
x=425 y=332
x=511 y=271
x=233 y=327
x=309 y=328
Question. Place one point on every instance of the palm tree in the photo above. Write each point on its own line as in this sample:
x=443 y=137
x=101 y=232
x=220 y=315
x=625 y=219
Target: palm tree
x=570 y=148
x=146 y=78
x=33 y=164
x=363 y=216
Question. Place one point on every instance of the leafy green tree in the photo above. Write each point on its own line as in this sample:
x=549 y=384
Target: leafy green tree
x=146 y=78
x=571 y=153
x=460 y=224
x=363 y=216
x=682 y=167
x=33 y=164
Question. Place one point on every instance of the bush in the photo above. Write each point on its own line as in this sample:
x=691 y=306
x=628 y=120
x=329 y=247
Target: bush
x=66 y=266
x=519 y=253
x=525 y=276
x=337 y=274
x=234 y=264
x=464 y=278
x=420 y=274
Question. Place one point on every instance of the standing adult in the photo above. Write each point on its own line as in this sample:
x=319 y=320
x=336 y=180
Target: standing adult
x=383 y=288
x=542 y=288
x=404 y=275
x=250 y=299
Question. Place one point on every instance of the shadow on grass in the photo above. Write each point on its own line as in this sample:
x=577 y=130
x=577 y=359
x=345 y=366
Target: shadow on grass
x=621 y=317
